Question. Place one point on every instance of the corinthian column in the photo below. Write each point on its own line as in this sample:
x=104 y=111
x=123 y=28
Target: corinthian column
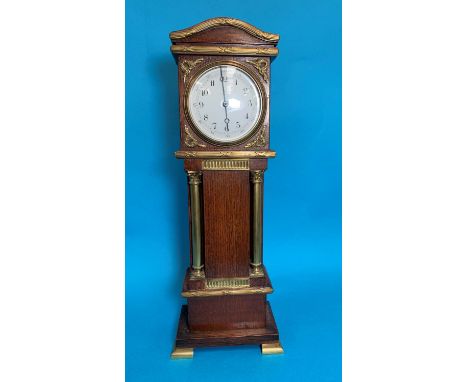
x=256 y=178
x=194 y=180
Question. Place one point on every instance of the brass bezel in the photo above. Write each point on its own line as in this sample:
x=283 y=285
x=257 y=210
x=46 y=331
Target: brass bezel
x=253 y=75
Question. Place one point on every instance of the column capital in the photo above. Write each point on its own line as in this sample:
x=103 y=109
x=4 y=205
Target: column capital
x=194 y=177
x=256 y=176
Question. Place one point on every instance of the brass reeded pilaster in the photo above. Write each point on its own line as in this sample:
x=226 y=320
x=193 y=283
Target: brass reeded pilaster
x=256 y=177
x=194 y=180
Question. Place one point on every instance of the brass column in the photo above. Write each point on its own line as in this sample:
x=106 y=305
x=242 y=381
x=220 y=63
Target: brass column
x=256 y=177
x=194 y=180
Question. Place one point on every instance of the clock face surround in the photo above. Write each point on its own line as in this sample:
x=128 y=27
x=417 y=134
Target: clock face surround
x=225 y=103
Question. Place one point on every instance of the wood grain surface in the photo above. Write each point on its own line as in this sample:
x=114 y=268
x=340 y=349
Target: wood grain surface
x=226 y=201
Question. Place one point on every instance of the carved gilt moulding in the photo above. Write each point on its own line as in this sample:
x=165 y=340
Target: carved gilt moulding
x=224 y=21
x=224 y=154
x=227 y=292
x=223 y=50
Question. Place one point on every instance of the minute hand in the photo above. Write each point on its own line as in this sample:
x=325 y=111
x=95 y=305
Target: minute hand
x=225 y=103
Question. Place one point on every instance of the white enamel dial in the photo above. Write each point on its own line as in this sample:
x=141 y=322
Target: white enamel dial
x=224 y=103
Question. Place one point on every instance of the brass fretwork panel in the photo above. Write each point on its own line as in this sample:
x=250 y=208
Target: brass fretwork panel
x=227 y=283
x=225 y=164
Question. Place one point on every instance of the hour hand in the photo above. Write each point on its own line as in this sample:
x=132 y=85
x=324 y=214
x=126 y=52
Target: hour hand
x=226 y=121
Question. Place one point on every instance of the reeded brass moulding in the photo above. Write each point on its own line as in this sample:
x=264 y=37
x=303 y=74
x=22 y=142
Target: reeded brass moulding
x=272 y=348
x=227 y=292
x=227 y=283
x=217 y=50
x=179 y=353
x=224 y=154
x=190 y=141
x=223 y=21
x=225 y=164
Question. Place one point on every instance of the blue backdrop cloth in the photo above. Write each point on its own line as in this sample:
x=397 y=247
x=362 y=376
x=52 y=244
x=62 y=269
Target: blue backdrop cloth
x=302 y=217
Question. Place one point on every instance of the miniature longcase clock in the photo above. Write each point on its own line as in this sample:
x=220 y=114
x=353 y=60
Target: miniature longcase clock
x=224 y=88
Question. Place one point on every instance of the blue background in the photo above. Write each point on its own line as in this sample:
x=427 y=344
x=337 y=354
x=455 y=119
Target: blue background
x=302 y=242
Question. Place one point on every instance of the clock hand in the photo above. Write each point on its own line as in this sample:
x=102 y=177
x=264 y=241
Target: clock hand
x=225 y=103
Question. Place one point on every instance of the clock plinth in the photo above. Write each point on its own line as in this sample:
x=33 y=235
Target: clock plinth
x=186 y=338
x=224 y=74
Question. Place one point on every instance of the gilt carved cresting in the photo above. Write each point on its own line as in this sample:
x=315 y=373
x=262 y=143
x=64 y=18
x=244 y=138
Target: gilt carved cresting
x=224 y=21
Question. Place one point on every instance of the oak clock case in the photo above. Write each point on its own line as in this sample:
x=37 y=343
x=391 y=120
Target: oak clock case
x=224 y=90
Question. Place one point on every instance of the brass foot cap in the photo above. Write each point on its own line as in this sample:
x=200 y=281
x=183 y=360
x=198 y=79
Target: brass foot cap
x=179 y=353
x=272 y=348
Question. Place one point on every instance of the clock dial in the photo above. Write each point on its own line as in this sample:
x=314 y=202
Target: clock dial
x=224 y=103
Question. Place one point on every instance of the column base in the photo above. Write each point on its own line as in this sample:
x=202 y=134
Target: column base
x=196 y=274
x=256 y=270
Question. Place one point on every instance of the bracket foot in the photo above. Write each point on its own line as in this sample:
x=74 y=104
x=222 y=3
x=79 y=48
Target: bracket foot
x=272 y=348
x=180 y=353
